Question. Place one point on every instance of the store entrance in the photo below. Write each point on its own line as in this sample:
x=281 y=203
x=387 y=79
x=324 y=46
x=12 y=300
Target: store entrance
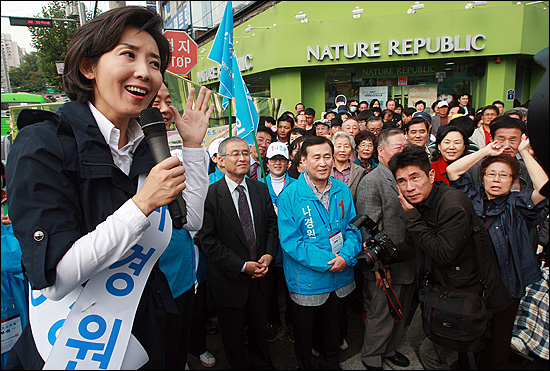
x=406 y=90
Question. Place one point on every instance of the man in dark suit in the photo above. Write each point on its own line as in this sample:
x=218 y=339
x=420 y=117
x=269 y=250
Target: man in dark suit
x=240 y=238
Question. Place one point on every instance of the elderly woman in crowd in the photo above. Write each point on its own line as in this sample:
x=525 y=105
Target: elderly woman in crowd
x=343 y=168
x=451 y=144
x=365 y=144
x=508 y=216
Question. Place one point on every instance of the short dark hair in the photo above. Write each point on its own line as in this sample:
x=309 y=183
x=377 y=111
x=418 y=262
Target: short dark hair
x=513 y=111
x=442 y=132
x=412 y=155
x=297 y=130
x=288 y=113
x=315 y=140
x=460 y=108
x=417 y=120
x=365 y=135
x=101 y=35
x=376 y=109
x=386 y=111
x=293 y=145
x=269 y=119
x=504 y=158
x=365 y=102
x=434 y=104
x=463 y=94
x=505 y=122
x=364 y=115
x=389 y=100
x=340 y=114
x=337 y=121
x=286 y=118
x=498 y=102
x=297 y=104
x=488 y=107
x=326 y=114
x=265 y=129
x=409 y=111
x=310 y=111
x=465 y=123
x=420 y=102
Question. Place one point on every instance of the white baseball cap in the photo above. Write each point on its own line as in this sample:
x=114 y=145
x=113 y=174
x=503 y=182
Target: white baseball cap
x=213 y=147
x=442 y=104
x=277 y=148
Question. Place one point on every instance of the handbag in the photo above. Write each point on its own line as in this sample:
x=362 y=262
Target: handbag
x=455 y=318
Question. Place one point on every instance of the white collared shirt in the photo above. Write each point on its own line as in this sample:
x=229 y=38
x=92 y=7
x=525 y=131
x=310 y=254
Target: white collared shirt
x=122 y=157
x=235 y=196
x=112 y=238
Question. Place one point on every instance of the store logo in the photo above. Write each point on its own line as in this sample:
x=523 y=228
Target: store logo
x=213 y=73
x=441 y=44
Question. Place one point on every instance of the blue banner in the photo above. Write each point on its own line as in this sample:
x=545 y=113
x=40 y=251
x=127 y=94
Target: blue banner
x=232 y=84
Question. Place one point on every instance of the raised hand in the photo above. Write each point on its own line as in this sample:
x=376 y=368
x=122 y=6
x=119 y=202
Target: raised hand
x=192 y=126
x=494 y=148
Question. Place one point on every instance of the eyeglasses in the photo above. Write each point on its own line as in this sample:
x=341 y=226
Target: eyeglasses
x=236 y=154
x=365 y=145
x=500 y=175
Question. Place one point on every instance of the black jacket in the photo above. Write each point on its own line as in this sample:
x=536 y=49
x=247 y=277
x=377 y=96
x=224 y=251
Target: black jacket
x=442 y=228
x=224 y=242
x=63 y=182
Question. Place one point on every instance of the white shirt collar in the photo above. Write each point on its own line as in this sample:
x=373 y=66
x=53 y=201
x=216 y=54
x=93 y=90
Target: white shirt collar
x=233 y=185
x=112 y=134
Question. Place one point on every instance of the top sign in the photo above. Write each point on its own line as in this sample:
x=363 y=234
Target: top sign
x=30 y=22
x=184 y=52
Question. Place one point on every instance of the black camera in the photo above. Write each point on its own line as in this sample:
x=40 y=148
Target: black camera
x=379 y=245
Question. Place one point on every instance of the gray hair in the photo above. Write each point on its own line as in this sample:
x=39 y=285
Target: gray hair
x=385 y=134
x=225 y=142
x=342 y=134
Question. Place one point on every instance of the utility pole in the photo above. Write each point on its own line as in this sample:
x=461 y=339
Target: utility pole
x=82 y=13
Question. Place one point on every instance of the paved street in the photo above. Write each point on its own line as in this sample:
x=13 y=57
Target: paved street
x=282 y=351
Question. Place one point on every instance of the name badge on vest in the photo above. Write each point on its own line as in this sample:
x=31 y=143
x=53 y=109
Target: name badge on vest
x=337 y=242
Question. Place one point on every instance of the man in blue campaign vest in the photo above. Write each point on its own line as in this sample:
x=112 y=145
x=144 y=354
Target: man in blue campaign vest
x=318 y=251
x=278 y=180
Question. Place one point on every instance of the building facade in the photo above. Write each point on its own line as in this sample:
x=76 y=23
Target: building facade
x=311 y=52
x=12 y=55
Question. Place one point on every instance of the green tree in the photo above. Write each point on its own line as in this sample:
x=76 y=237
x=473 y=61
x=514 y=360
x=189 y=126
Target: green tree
x=52 y=43
x=27 y=76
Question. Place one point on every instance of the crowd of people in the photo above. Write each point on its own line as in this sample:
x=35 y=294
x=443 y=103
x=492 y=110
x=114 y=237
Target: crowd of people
x=86 y=197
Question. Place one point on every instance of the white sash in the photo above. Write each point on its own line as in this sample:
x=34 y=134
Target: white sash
x=93 y=324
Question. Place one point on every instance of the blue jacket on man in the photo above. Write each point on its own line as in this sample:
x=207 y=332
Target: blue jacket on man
x=304 y=226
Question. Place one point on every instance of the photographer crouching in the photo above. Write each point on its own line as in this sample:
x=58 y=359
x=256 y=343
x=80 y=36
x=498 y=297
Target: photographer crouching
x=450 y=244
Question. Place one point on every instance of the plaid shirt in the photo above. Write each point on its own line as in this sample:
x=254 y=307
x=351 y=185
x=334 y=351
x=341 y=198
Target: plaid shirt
x=532 y=320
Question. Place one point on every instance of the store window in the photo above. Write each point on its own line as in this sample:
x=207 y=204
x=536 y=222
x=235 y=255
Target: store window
x=444 y=81
x=258 y=85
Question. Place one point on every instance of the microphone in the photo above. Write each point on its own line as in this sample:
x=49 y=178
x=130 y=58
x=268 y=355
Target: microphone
x=154 y=128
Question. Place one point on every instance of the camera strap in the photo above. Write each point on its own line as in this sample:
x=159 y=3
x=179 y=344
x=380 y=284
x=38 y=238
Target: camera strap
x=394 y=305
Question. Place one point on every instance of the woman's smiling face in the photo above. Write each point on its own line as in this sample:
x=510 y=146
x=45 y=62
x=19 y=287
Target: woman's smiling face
x=126 y=79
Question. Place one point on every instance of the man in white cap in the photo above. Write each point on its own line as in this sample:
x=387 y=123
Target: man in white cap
x=213 y=152
x=277 y=180
x=442 y=117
